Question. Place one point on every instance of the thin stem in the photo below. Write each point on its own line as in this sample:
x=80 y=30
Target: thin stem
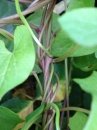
x=30 y=30
x=66 y=55
x=39 y=83
x=29 y=123
x=75 y=109
x=57 y=119
x=37 y=126
x=16 y=22
x=57 y=87
x=43 y=17
x=49 y=81
x=51 y=118
x=7 y=34
x=45 y=24
x=25 y=1
x=67 y=85
x=30 y=10
x=65 y=4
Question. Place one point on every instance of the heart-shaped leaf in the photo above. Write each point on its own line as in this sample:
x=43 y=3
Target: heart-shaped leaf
x=90 y=85
x=15 y=67
x=81 y=25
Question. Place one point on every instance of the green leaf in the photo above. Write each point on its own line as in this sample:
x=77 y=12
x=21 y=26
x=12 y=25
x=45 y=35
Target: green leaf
x=8 y=119
x=62 y=44
x=16 y=104
x=7 y=8
x=86 y=63
x=37 y=69
x=78 y=121
x=15 y=67
x=90 y=85
x=31 y=118
x=81 y=25
x=22 y=107
x=74 y=4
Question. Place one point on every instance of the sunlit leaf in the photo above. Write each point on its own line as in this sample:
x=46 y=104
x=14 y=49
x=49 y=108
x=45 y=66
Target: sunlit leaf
x=81 y=25
x=78 y=121
x=74 y=4
x=15 y=67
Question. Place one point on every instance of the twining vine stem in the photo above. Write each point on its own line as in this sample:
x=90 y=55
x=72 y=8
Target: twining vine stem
x=75 y=109
x=30 y=30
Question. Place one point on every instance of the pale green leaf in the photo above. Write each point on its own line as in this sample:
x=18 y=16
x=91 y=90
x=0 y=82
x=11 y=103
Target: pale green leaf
x=78 y=121
x=90 y=85
x=15 y=67
x=74 y=4
x=62 y=44
x=8 y=119
x=81 y=25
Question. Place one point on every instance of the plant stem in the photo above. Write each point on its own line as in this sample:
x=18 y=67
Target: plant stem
x=25 y=1
x=57 y=87
x=39 y=84
x=37 y=126
x=28 y=124
x=17 y=22
x=30 y=30
x=30 y=10
x=49 y=81
x=51 y=118
x=7 y=34
x=67 y=85
x=57 y=113
x=65 y=4
x=75 y=109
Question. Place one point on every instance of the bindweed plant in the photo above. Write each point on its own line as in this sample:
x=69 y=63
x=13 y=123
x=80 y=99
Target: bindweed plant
x=60 y=51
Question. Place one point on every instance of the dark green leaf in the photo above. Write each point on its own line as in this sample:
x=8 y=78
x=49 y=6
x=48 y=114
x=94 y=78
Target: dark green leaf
x=90 y=85
x=86 y=63
x=16 y=104
x=8 y=119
